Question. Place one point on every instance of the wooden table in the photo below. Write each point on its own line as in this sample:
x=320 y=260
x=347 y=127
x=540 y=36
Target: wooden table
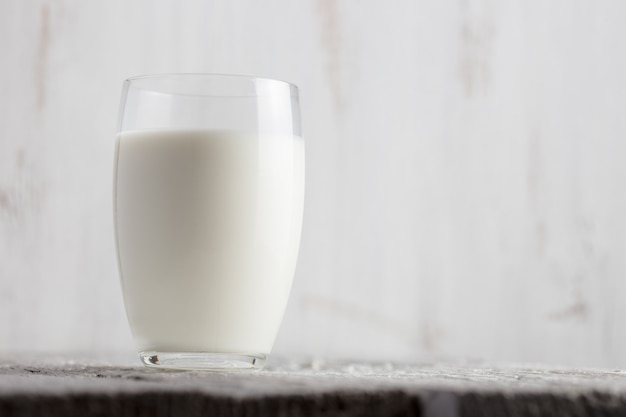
x=60 y=387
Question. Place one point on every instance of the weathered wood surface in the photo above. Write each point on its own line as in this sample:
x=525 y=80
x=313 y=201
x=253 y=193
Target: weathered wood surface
x=308 y=388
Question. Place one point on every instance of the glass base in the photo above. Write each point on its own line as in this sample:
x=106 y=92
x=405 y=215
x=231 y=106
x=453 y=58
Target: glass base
x=201 y=361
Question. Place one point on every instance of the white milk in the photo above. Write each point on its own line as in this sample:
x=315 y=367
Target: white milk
x=208 y=228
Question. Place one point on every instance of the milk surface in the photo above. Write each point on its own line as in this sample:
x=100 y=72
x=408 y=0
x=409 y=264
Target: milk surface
x=208 y=229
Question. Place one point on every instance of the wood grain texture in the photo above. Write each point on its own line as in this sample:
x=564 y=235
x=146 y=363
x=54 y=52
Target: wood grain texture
x=30 y=388
x=464 y=169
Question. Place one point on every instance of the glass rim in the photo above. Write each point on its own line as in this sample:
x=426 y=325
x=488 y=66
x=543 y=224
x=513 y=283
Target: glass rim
x=209 y=75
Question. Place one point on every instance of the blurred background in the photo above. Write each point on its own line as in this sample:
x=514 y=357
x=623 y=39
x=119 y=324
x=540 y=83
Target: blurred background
x=466 y=170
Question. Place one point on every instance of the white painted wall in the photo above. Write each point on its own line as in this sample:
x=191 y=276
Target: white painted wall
x=466 y=169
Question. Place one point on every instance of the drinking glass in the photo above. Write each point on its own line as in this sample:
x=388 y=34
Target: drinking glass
x=208 y=199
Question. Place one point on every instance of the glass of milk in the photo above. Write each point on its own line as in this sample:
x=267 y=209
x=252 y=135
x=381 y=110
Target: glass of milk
x=208 y=196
